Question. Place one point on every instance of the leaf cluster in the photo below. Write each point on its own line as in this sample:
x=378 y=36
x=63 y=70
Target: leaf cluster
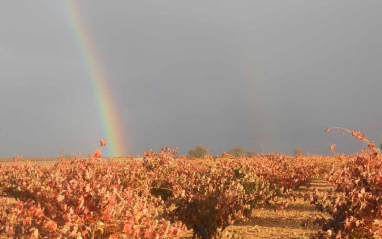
x=355 y=204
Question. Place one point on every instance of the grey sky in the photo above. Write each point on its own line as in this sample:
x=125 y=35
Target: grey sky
x=221 y=73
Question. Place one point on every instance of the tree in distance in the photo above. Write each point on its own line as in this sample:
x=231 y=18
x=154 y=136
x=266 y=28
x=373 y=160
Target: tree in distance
x=298 y=152
x=249 y=153
x=198 y=152
x=237 y=151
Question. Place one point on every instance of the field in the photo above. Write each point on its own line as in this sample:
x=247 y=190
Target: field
x=164 y=196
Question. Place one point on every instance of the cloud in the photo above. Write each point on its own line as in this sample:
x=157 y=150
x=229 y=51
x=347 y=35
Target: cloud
x=3 y=50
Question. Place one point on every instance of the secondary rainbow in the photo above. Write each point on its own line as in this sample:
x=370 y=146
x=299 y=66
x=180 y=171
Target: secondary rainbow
x=103 y=97
x=260 y=113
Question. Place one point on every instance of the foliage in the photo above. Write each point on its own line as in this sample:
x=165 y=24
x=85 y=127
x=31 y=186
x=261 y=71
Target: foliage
x=249 y=153
x=211 y=201
x=237 y=151
x=157 y=197
x=355 y=204
x=82 y=198
x=298 y=152
x=198 y=152
x=209 y=195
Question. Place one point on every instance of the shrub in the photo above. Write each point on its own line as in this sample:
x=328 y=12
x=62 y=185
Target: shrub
x=198 y=152
x=249 y=153
x=298 y=152
x=237 y=151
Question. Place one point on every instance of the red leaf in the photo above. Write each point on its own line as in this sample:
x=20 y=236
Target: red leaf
x=128 y=227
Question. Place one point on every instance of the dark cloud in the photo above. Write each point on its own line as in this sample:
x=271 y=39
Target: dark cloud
x=221 y=73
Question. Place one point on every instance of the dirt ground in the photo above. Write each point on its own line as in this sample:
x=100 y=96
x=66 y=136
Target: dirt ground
x=296 y=221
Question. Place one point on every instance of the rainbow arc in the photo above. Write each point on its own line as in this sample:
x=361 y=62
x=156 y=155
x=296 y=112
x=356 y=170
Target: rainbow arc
x=103 y=96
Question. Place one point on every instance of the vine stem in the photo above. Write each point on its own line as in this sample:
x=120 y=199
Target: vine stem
x=262 y=147
x=351 y=132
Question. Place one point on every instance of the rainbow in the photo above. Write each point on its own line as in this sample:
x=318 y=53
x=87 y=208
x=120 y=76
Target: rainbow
x=103 y=97
x=259 y=112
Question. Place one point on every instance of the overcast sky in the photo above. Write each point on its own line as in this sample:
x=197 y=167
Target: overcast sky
x=220 y=73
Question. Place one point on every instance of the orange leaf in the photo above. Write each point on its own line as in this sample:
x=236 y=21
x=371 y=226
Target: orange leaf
x=97 y=153
x=103 y=142
x=128 y=227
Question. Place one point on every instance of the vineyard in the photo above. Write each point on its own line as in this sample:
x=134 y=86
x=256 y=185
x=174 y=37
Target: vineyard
x=164 y=196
